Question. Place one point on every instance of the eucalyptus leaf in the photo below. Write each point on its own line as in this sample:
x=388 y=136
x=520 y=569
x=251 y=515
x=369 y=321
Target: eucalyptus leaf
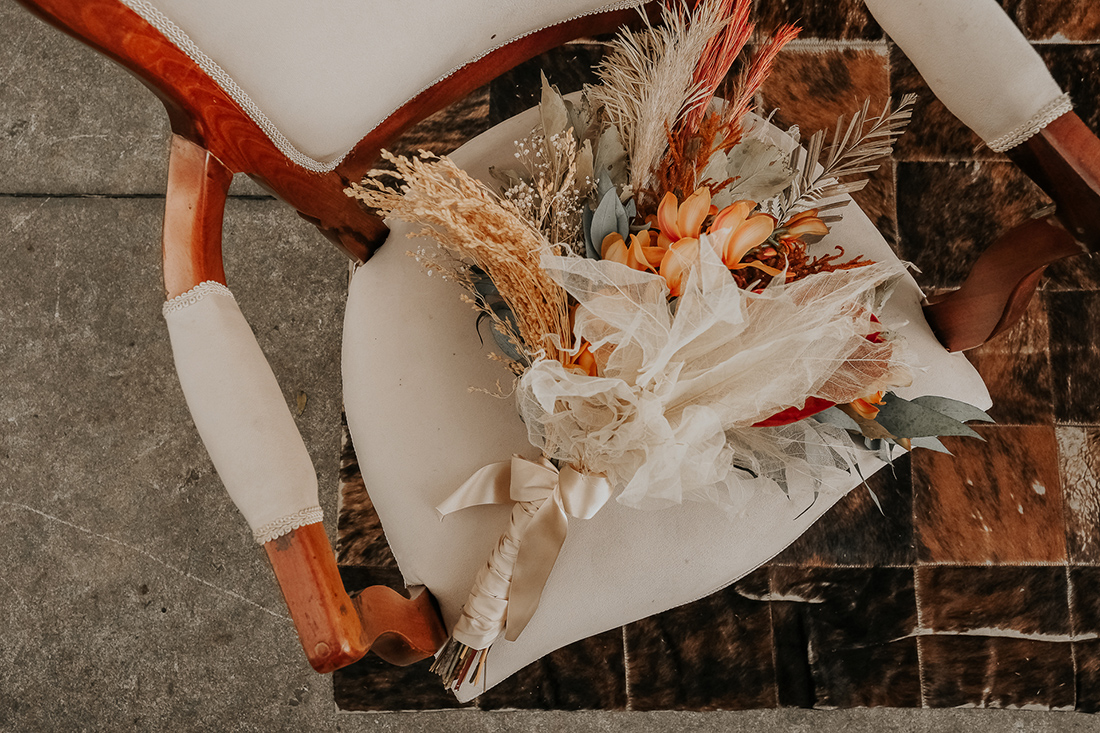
x=586 y=229
x=609 y=217
x=834 y=416
x=930 y=444
x=603 y=184
x=870 y=429
x=611 y=158
x=555 y=116
x=954 y=409
x=905 y=419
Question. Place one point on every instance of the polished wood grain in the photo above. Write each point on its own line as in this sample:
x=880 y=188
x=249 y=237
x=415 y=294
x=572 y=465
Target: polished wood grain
x=1064 y=160
x=194 y=206
x=997 y=292
x=203 y=113
x=400 y=630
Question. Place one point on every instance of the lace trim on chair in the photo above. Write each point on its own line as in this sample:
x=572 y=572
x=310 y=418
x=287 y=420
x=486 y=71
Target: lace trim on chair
x=289 y=523
x=1042 y=118
x=194 y=295
x=182 y=41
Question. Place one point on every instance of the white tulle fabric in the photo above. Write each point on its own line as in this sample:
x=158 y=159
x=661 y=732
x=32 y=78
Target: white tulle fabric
x=977 y=63
x=411 y=355
x=240 y=412
x=671 y=417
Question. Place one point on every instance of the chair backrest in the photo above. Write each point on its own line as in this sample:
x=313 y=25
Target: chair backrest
x=302 y=97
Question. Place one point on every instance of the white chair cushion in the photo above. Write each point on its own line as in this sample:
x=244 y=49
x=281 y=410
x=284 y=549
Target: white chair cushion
x=410 y=356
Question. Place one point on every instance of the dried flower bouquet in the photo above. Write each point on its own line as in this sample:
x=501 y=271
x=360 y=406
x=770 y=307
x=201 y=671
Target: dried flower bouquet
x=648 y=274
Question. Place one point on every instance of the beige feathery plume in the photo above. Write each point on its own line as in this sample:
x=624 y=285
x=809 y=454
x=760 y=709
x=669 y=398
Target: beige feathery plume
x=467 y=219
x=648 y=82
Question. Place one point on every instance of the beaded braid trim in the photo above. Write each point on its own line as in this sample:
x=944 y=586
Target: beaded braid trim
x=194 y=295
x=275 y=530
x=1049 y=113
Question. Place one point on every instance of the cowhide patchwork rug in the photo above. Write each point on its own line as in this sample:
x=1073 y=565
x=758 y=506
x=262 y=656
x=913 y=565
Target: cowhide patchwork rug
x=978 y=584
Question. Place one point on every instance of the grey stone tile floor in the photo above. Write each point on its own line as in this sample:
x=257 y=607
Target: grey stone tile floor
x=131 y=594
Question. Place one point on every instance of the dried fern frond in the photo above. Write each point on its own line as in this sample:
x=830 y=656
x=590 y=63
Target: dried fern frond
x=648 y=81
x=466 y=218
x=853 y=150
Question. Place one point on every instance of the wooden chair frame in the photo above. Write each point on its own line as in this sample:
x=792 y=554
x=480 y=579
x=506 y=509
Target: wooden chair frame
x=213 y=138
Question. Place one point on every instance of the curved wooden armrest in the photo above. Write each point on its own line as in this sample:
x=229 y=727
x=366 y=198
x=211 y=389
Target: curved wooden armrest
x=999 y=287
x=333 y=636
x=327 y=624
x=336 y=631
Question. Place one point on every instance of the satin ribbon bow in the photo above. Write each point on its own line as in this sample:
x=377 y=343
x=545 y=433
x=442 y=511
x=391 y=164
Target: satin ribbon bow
x=561 y=493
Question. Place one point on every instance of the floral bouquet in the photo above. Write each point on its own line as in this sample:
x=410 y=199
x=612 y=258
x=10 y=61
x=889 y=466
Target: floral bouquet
x=652 y=274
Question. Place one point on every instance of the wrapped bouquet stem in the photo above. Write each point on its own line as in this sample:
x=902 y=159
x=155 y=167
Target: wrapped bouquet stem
x=507 y=590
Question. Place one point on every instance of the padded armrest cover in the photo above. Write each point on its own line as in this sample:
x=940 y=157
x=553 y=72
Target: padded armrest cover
x=977 y=63
x=411 y=355
x=240 y=412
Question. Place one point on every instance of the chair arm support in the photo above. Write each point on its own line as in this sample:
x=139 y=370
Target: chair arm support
x=327 y=623
x=996 y=293
x=1064 y=160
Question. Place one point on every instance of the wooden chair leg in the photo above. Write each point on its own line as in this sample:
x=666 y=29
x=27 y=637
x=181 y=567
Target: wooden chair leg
x=999 y=287
x=400 y=630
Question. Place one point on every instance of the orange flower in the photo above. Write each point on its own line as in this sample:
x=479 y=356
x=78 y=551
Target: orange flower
x=639 y=255
x=677 y=222
x=801 y=225
x=583 y=361
x=865 y=406
x=736 y=232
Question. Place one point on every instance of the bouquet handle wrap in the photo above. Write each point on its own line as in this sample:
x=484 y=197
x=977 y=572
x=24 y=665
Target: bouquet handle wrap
x=508 y=587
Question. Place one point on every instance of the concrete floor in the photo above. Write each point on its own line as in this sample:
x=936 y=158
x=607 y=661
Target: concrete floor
x=131 y=594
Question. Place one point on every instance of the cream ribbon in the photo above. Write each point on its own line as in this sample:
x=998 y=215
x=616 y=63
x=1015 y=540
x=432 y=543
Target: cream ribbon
x=508 y=588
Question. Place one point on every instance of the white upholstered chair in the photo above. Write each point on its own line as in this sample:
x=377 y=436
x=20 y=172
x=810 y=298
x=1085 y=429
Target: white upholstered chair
x=302 y=96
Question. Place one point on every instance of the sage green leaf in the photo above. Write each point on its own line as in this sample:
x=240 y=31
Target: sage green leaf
x=586 y=229
x=930 y=444
x=834 y=416
x=954 y=409
x=611 y=159
x=555 y=116
x=905 y=419
x=610 y=216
